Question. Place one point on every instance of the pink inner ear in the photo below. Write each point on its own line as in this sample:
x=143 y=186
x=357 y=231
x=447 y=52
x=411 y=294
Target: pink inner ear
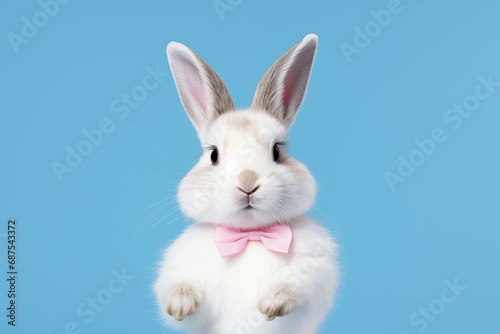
x=196 y=86
x=290 y=83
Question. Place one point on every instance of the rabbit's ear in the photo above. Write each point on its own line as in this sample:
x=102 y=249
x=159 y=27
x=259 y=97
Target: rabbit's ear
x=202 y=92
x=282 y=89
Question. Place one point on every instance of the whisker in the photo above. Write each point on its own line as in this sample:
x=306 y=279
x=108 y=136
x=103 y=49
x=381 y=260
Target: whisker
x=153 y=205
x=152 y=226
x=337 y=228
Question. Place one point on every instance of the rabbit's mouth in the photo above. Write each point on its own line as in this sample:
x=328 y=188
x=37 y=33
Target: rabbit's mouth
x=248 y=207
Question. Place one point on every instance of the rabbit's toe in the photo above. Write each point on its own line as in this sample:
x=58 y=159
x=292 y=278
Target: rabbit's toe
x=281 y=302
x=181 y=301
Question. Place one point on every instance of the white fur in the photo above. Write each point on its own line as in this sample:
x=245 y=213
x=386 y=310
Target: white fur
x=229 y=295
x=232 y=288
x=209 y=194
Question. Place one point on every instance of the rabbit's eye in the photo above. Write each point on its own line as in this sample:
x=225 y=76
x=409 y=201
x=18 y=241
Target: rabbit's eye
x=276 y=152
x=214 y=156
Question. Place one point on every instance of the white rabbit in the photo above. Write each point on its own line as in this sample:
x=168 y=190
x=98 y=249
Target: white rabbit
x=252 y=263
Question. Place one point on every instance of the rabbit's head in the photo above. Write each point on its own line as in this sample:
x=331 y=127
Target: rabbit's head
x=245 y=177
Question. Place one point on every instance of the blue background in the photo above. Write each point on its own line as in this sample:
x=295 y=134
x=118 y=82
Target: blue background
x=398 y=247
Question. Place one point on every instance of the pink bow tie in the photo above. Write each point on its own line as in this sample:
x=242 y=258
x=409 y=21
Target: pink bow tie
x=276 y=238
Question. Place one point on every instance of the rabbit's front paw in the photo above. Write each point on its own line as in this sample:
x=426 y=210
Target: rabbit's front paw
x=281 y=302
x=181 y=301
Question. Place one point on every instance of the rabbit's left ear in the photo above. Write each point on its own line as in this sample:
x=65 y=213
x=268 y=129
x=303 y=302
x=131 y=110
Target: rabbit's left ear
x=282 y=89
x=202 y=91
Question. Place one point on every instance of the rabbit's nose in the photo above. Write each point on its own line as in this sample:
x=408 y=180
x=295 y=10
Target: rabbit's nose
x=247 y=179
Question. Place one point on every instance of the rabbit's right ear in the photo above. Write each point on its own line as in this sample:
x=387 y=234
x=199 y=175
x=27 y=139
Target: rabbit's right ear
x=202 y=92
x=282 y=89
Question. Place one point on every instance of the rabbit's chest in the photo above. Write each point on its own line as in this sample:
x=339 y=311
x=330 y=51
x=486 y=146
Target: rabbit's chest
x=244 y=276
x=248 y=274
